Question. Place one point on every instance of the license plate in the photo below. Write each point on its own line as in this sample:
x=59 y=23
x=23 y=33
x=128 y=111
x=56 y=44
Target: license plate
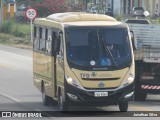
x=100 y=94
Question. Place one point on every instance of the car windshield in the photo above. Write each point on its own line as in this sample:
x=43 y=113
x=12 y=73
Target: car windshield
x=21 y=7
x=139 y=8
x=98 y=47
x=109 y=9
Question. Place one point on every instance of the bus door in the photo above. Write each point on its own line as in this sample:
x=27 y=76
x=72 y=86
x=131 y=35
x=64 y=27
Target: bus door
x=60 y=63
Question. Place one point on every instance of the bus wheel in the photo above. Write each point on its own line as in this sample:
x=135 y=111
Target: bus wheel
x=63 y=106
x=123 y=106
x=46 y=99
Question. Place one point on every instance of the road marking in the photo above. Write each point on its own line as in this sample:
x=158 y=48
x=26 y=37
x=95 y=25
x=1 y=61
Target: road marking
x=139 y=108
x=16 y=54
x=10 y=97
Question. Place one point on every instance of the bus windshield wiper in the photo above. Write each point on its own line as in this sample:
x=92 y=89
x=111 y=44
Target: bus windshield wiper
x=108 y=51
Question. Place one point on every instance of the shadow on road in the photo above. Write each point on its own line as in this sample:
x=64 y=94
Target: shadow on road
x=53 y=111
x=75 y=111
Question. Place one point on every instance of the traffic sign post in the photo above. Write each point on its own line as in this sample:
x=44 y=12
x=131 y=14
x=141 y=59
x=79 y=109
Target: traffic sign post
x=31 y=14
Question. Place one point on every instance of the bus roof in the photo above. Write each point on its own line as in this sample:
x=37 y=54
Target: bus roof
x=77 y=19
x=78 y=16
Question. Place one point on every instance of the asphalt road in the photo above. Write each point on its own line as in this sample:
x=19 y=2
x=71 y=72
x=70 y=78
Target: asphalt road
x=17 y=92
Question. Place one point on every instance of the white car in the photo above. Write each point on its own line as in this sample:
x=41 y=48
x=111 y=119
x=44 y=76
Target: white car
x=137 y=11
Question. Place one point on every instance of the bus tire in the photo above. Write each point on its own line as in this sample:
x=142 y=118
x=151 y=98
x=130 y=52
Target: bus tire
x=123 y=106
x=45 y=99
x=63 y=106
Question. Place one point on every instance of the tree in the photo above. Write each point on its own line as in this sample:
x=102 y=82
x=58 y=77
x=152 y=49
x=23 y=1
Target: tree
x=47 y=7
x=76 y=6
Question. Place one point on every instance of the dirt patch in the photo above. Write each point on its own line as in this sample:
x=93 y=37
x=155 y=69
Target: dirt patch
x=23 y=43
x=23 y=46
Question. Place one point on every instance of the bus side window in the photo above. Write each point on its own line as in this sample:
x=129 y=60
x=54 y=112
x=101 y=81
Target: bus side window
x=36 y=38
x=49 y=42
x=42 y=39
x=61 y=51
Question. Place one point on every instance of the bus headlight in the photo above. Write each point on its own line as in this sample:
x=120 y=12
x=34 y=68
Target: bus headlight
x=73 y=82
x=129 y=80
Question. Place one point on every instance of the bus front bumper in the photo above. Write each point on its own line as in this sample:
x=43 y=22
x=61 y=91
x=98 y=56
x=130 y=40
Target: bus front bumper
x=77 y=96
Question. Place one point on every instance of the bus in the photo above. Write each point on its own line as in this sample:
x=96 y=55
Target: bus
x=83 y=59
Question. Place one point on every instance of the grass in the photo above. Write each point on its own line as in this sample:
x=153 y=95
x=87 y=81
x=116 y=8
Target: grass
x=12 y=27
x=10 y=40
x=21 y=30
x=15 y=34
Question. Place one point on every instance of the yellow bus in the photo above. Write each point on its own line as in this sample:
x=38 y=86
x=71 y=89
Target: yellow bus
x=83 y=59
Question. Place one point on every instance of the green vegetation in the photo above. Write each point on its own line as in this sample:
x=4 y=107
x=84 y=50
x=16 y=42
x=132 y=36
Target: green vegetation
x=12 y=33
x=15 y=29
x=119 y=17
x=155 y=20
x=21 y=42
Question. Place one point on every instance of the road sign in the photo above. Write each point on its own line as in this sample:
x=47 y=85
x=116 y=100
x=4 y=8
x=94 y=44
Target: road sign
x=31 y=13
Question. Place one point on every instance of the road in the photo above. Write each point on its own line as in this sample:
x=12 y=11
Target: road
x=17 y=92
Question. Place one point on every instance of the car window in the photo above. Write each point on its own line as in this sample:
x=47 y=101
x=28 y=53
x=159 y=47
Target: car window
x=22 y=7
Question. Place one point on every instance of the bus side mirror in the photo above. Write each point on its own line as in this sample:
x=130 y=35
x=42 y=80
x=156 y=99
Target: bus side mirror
x=132 y=39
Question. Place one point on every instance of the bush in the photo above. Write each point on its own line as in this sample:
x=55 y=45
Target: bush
x=7 y=26
x=19 y=33
x=18 y=30
x=119 y=18
x=21 y=30
x=158 y=20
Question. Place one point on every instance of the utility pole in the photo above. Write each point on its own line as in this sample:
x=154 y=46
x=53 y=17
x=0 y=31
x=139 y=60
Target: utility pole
x=1 y=12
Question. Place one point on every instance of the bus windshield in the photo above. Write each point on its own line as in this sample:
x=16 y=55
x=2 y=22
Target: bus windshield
x=98 y=48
